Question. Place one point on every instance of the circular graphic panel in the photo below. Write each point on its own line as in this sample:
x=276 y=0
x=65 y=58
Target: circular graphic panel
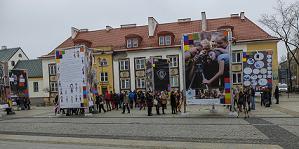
x=259 y=64
x=254 y=82
x=250 y=61
x=269 y=64
x=269 y=56
x=247 y=83
x=263 y=71
x=256 y=71
x=269 y=60
x=262 y=82
x=259 y=56
x=247 y=70
x=259 y=76
x=269 y=72
x=265 y=76
x=246 y=77
x=254 y=77
x=269 y=76
x=269 y=68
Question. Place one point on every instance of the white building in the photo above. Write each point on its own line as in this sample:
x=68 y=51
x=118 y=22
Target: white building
x=12 y=56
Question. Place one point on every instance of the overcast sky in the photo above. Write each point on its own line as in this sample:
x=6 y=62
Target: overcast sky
x=39 y=26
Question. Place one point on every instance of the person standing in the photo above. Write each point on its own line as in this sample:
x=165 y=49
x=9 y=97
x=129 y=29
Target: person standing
x=101 y=104
x=173 y=102
x=163 y=101
x=157 y=102
x=149 y=102
x=98 y=102
x=126 y=103
x=276 y=94
x=252 y=98
x=108 y=100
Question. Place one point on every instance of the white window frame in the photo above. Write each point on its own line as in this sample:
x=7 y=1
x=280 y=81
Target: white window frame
x=238 y=77
x=165 y=40
x=172 y=81
x=125 y=83
x=173 y=61
x=35 y=87
x=132 y=43
x=235 y=55
x=104 y=76
x=52 y=69
x=53 y=87
x=123 y=65
x=139 y=63
x=140 y=82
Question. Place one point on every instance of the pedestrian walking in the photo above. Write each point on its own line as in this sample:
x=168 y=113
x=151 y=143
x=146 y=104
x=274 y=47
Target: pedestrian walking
x=149 y=102
x=157 y=103
x=108 y=101
x=252 y=98
x=276 y=94
x=126 y=103
x=163 y=101
x=173 y=102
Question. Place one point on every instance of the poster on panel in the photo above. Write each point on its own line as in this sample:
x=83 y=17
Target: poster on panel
x=73 y=73
x=207 y=67
x=18 y=81
x=257 y=69
x=161 y=75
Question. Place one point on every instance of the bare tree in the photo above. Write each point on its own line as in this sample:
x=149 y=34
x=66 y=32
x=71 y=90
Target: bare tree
x=285 y=24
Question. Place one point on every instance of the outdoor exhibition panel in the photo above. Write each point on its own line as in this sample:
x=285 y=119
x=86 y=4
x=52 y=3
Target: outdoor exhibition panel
x=157 y=74
x=18 y=79
x=74 y=79
x=207 y=67
x=257 y=69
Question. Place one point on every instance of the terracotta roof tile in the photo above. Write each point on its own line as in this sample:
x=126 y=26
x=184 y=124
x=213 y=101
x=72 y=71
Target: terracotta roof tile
x=243 y=30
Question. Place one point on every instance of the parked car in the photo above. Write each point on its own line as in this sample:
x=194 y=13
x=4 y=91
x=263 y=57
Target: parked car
x=283 y=87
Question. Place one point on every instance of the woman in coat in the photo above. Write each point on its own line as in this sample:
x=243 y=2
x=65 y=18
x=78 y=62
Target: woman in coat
x=173 y=102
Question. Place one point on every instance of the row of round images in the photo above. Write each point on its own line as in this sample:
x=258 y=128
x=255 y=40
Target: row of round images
x=254 y=77
x=249 y=71
x=261 y=82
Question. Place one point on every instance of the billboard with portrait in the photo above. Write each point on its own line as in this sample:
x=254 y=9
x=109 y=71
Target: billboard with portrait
x=207 y=67
x=18 y=80
x=257 y=69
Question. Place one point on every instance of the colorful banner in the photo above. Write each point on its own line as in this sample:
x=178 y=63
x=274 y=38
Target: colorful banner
x=73 y=66
x=257 y=69
x=207 y=67
x=18 y=81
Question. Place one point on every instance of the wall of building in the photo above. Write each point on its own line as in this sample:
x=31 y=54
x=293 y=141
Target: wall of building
x=16 y=58
x=49 y=97
x=36 y=98
x=147 y=54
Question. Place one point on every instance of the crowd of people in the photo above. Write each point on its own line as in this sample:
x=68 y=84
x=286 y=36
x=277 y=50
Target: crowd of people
x=126 y=101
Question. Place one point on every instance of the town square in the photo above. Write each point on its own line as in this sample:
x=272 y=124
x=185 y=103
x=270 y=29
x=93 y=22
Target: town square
x=149 y=74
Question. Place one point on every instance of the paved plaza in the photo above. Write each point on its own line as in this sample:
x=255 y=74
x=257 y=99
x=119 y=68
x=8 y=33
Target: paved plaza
x=274 y=127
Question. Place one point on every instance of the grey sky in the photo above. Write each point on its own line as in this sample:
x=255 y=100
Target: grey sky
x=38 y=26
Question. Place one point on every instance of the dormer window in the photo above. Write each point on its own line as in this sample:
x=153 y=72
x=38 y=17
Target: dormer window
x=132 y=43
x=165 y=40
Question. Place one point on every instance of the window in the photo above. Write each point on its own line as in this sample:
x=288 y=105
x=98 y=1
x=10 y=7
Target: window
x=140 y=63
x=13 y=63
x=237 y=57
x=173 y=61
x=125 y=83
x=132 y=43
x=20 y=55
x=103 y=62
x=52 y=69
x=165 y=40
x=237 y=78
x=174 y=81
x=124 y=64
x=53 y=87
x=35 y=86
x=104 y=77
x=140 y=83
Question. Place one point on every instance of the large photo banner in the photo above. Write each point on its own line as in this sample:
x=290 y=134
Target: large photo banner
x=161 y=75
x=18 y=81
x=257 y=69
x=72 y=71
x=207 y=67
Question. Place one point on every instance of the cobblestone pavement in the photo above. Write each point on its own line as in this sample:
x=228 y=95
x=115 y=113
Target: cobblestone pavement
x=273 y=127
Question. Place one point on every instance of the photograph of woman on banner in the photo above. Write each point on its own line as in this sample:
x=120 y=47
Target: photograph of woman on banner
x=207 y=63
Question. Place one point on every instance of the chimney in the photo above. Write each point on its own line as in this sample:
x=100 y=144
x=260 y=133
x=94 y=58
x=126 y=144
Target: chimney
x=74 y=32
x=108 y=28
x=127 y=25
x=242 y=16
x=152 y=25
x=203 y=21
x=3 y=47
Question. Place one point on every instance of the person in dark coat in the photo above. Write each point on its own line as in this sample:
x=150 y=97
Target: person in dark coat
x=100 y=103
x=173 y=102
x=276 y=95
x=149 y=102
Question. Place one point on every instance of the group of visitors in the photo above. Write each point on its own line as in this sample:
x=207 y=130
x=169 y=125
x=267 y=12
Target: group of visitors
x=23 y=103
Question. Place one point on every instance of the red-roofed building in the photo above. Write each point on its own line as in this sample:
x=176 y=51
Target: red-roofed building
x=130 y=45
